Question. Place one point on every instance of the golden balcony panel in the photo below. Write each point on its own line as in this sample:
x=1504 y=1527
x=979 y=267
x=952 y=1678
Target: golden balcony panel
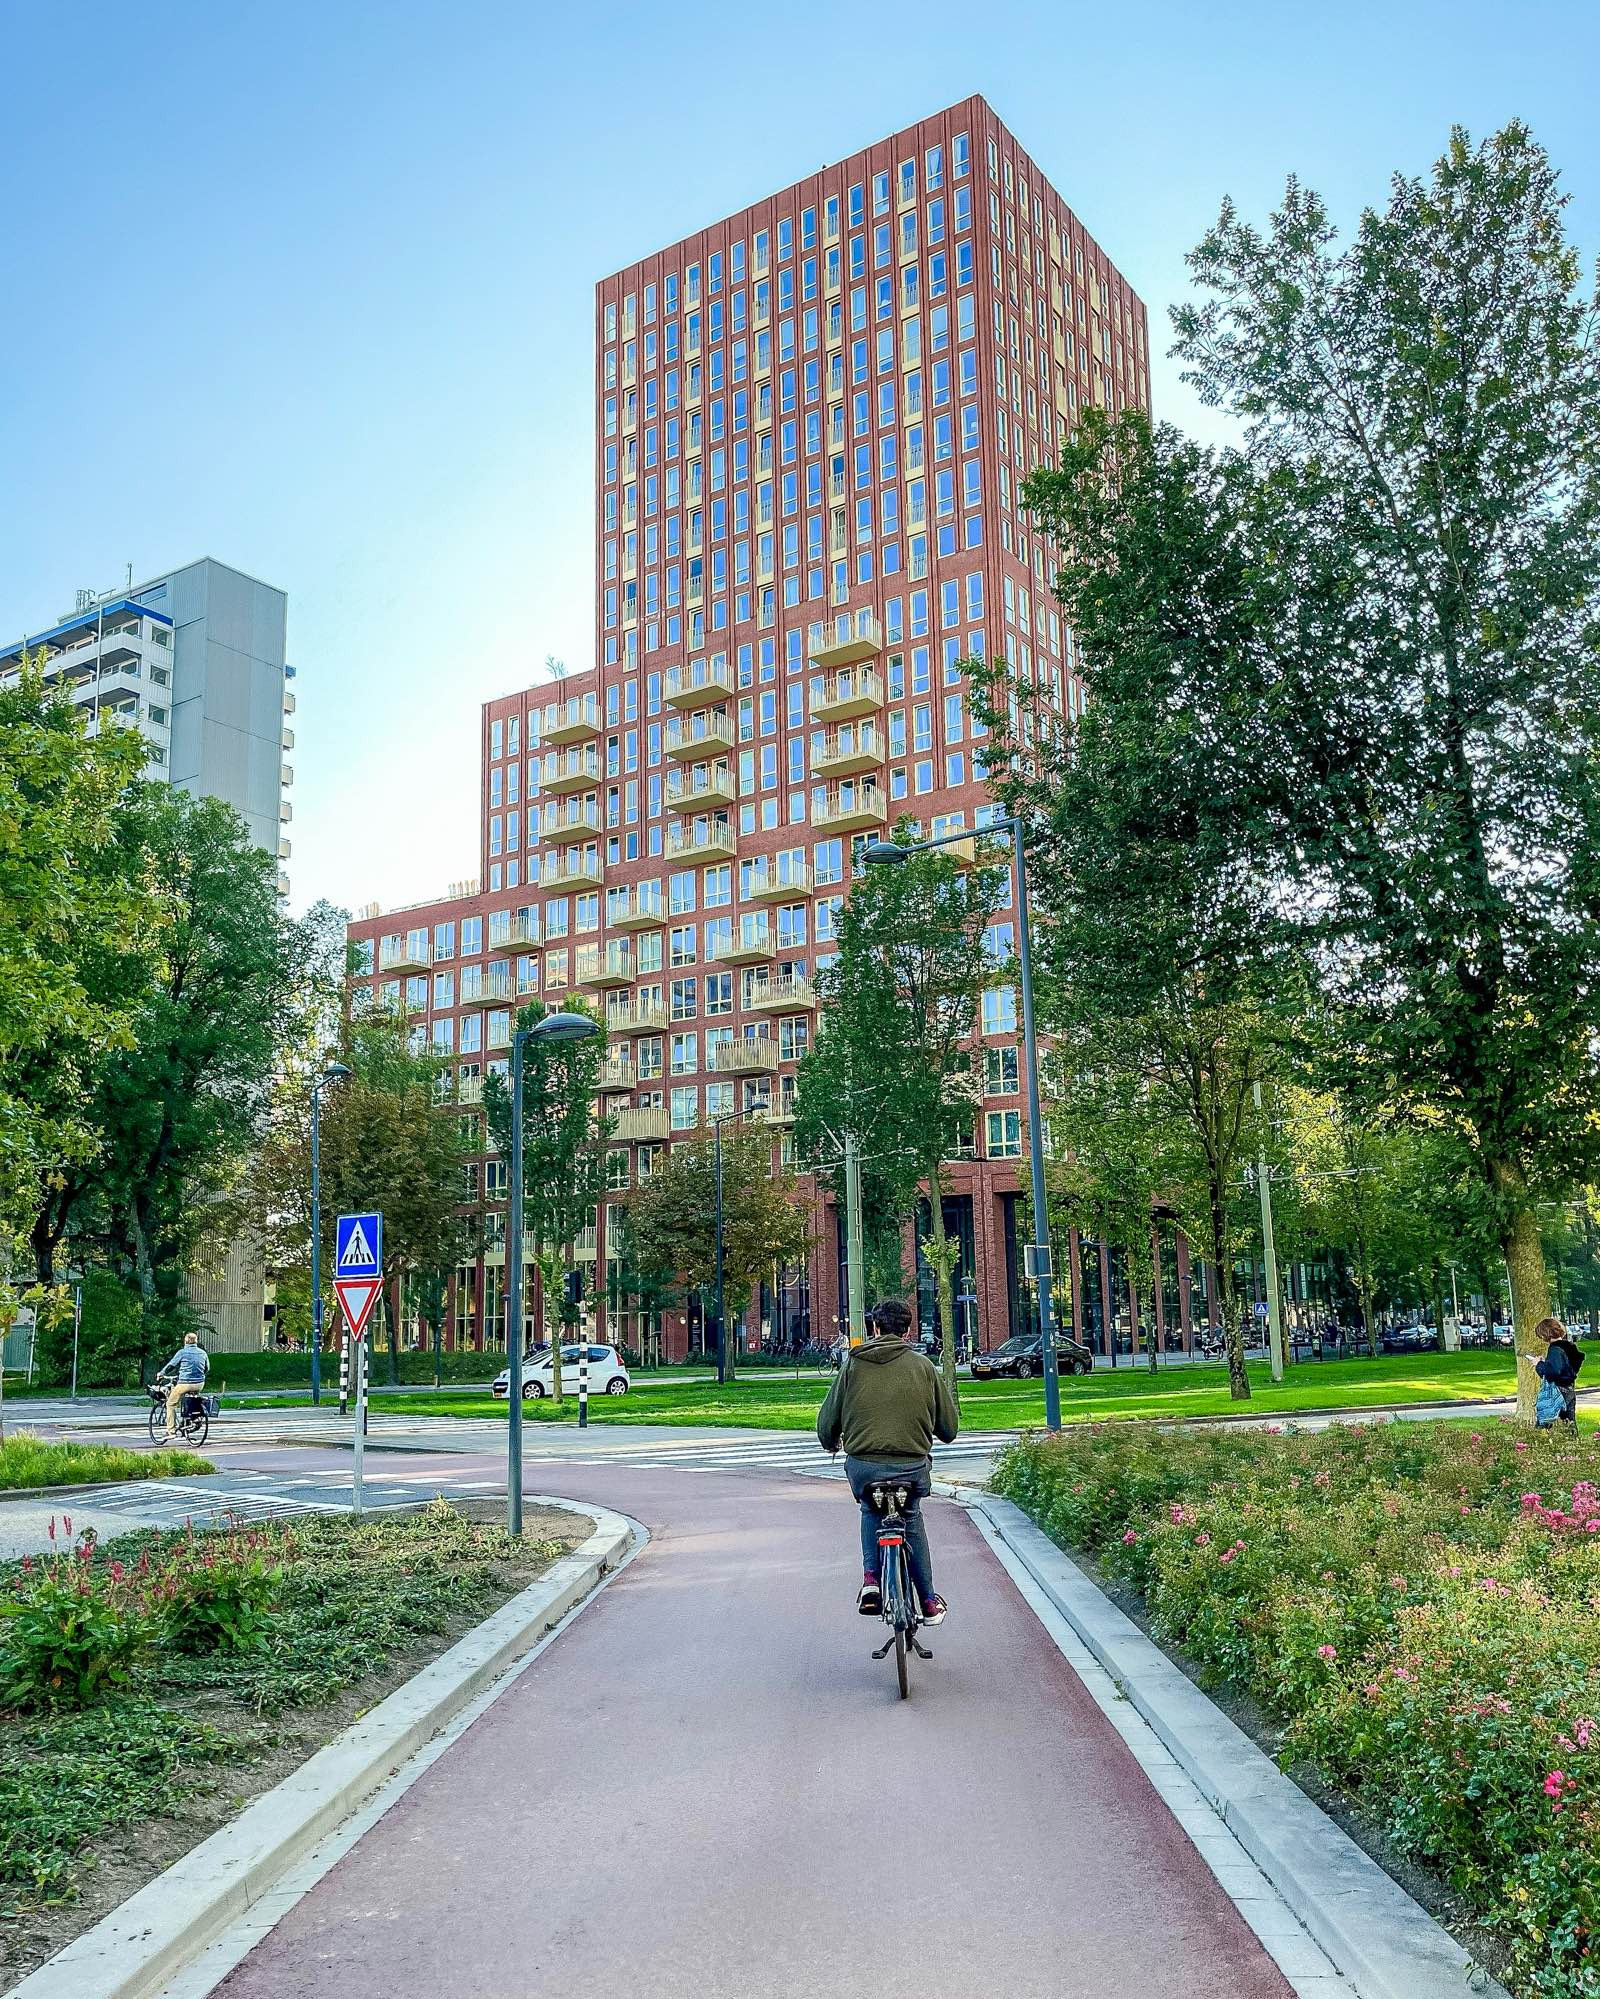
x=569 y=721
x=616 y=1074
x=851 y=807
x=634 y=1125
x=697 y=786
x=700 y=734
x=636 y=1016
x=753 y=1055
x=847 y=751
x=752 y=941
x=700 y=840
x=779 y=992
x=561 y=771
x=772 y=881
x=847 y=693
x=866 y=642
x=606 y=964
x=699 y=684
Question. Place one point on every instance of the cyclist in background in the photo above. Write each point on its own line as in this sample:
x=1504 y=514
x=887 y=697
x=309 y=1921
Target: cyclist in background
x=886 y=1408
x=193 y=1364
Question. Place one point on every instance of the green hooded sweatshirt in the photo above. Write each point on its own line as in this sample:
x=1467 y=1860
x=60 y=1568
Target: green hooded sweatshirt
x=888 y=1405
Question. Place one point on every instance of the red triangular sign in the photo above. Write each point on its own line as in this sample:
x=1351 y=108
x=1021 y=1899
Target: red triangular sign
x=357 y=1296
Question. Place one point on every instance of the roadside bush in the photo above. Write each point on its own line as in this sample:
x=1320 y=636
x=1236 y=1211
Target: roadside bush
x=1416 y=1602
x=69 y=1639
x=216 y=1593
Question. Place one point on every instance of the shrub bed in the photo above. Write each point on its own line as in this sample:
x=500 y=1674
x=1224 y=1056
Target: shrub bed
x=118 y=1664
x=26 y=1464
x=1415 y=1602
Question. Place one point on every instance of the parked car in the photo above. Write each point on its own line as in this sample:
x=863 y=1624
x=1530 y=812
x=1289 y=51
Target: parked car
x=1024 y=1356
x=608 y=1374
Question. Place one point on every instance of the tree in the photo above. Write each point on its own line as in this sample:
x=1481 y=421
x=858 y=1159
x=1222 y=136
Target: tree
x=177 y=1113
x=892 y=1062
x=72 y=929
x=563 y=1153
x=390 y=1145
x=1153 y=966
x=1422 y=413
x=671 y=1217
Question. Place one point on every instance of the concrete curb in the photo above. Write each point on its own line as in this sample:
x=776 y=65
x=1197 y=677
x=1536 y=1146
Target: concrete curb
x=132 y=1952
x=1383 y=1942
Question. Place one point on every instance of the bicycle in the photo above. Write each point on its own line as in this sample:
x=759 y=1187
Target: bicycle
x=893 y=1501
x=191 y=1423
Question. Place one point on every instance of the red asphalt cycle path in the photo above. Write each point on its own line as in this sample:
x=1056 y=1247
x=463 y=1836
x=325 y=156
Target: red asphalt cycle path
x=706 y=1789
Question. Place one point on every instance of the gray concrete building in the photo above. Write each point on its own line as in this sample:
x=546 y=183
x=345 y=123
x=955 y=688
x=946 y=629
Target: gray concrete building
x=194 y=660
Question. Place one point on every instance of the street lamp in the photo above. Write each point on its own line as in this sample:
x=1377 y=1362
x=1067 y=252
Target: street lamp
x=331 y=1074
x=554 y=1029
x=879 y=853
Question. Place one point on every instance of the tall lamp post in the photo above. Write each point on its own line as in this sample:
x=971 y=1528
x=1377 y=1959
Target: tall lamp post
x=331 y=1074
x=879 y=853
x=555 y=1027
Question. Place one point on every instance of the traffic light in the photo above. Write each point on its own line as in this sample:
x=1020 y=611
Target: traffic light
x=572 y=1290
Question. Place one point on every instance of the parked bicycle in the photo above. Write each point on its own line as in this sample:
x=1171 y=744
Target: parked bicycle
x=893 y=1502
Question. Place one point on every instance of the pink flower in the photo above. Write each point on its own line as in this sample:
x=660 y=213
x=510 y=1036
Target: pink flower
x=1397 y=1582
x=1327 y=1652
x=1202 y=1540
x=1555 y=1783
x=66 y=1522
x=1371 y=1688
x=1522 y=1445
x=1129 y=1538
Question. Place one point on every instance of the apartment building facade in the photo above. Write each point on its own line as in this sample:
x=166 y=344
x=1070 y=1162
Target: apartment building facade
x=813 y=423
x=194 y=660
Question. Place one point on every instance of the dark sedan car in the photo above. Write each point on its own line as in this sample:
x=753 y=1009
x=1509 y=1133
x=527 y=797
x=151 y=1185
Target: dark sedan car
x=1024 y=1357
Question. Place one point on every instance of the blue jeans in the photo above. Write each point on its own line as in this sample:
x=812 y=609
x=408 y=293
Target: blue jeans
x=862 y=1472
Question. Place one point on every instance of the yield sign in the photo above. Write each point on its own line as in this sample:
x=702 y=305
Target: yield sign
x=357 y=1295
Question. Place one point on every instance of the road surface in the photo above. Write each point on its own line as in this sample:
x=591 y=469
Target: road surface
x=706 y=1787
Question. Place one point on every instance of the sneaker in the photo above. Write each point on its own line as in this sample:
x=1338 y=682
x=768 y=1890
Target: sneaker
x=869 y=1599
x=933 y=1609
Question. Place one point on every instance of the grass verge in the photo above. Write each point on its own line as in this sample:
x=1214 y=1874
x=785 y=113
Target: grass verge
x=26 y=1464
x=757 y=1401
x=1413 y=1605
x=249 y=1650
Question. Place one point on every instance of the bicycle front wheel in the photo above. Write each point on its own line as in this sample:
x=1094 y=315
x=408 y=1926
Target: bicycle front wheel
x=158 y=1423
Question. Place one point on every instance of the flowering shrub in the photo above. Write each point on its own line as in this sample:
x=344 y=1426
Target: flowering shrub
x=1416 y=1602
x=215 y=1592
x=67 y=1643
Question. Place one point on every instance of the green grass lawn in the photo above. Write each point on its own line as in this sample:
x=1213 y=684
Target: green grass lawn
x=761 y=1401
x=26 y=1464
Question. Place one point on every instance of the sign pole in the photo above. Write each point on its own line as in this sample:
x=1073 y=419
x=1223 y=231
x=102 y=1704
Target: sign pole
x=358 y=1282
x=361 y=1418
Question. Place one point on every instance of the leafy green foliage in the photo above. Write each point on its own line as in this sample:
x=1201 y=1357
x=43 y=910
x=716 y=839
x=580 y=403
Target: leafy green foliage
x=27 y=1463
x=1415 y=1601
x=215 y=1594
x=65 y=1640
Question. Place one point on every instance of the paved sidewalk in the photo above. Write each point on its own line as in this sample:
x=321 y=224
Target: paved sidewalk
x=706 y=1787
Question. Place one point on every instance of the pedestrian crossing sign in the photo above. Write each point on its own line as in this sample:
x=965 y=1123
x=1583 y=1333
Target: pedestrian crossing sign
x=359 y=1246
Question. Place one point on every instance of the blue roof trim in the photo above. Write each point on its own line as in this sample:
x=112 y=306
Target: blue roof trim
x=84 y=618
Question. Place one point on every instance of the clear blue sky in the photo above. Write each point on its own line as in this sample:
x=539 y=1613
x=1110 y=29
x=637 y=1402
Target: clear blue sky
x=308 y=287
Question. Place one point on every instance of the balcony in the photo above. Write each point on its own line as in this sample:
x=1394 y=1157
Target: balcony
x=774 y=881
x=849 y=692
x=782 y=1112
x=834 y=652
x=636 y=1016
x=405 y=955
x=469 y=1090
x=846 y=752
x=850 y=808
x=701 y=734
x=634 y=1125
x=699 y=684
x=700 y=786
x=585 y=1245
x=700 y=840
x=569 y=821
x=783 y=992
x=521 y=934
x=616 y=1074
x=753 y=1055
x=569 y=721
x=635 y=911
x=606 y=964
x=570 y=770
x=751 y=942
x=579 y=867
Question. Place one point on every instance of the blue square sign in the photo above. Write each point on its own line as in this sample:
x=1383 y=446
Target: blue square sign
x=359 y=1251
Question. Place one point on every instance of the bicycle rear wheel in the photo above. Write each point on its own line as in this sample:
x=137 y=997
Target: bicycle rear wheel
x=198 y=1427
x=901 y=1665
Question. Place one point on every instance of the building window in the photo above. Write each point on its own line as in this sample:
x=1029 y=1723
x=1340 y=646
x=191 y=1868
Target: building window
x=1004 y=1135
x=1000 y=1010
x=685 y=1108
x=1000 y=1072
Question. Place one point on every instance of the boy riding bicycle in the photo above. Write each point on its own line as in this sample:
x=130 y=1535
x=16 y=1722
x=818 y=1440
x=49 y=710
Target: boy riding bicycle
x=886 y=1408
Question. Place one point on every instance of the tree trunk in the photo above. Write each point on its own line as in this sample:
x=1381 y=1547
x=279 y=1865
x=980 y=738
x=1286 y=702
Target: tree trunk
x=1232 y=1320
x=1364 y=1287
x=941 y=1255
x=1530 y=1289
